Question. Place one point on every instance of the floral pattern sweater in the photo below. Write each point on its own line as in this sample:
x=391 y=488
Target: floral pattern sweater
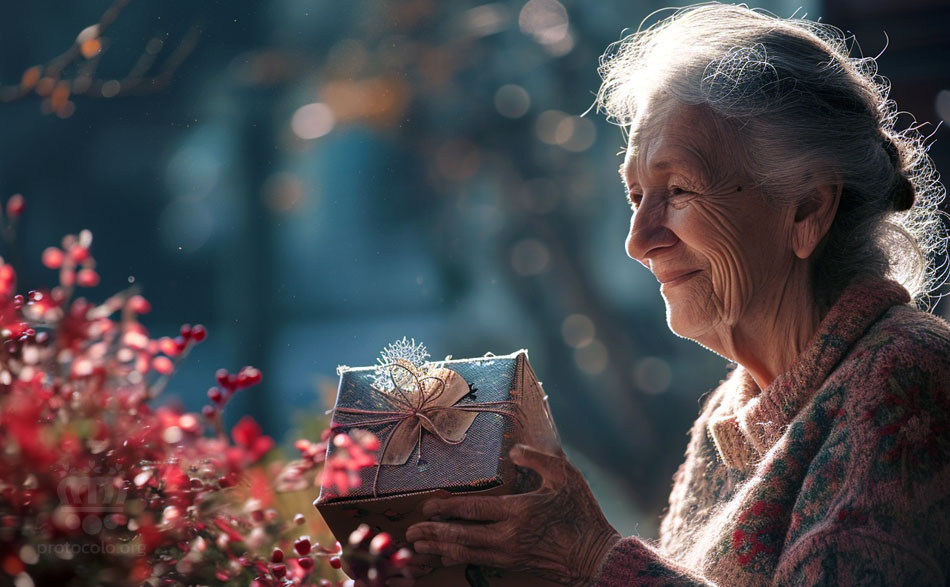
x=838 y=473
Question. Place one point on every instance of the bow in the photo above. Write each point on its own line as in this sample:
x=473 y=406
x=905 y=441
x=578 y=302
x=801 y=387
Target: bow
x=423 y=401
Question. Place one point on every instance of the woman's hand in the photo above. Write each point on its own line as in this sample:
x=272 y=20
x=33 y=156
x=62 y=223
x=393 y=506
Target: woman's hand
x=556 y=532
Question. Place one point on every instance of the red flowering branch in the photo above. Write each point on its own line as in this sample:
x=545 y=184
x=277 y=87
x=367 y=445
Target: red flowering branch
x=96 y=479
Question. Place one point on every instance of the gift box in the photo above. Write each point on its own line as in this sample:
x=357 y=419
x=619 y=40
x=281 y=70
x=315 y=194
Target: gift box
x=443 y=428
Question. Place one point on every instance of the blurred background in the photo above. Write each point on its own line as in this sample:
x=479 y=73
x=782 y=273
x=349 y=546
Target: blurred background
x=314 y=179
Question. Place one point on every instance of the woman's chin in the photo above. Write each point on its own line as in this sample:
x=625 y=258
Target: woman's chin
x=684 y=320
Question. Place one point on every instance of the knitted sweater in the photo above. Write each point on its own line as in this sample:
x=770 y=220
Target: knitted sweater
x=838 y=473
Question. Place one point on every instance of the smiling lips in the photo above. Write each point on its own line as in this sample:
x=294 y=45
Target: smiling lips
x=676 y=278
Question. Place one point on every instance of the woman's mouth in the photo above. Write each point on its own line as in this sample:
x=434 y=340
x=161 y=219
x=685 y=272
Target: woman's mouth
x=671 y=279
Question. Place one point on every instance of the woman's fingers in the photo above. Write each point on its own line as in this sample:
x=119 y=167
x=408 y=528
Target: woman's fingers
x=483 y=508
x=468 y=534
x=459 y=552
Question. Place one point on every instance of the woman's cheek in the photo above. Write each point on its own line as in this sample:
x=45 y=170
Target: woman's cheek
x=701 y=311
x=720 y=241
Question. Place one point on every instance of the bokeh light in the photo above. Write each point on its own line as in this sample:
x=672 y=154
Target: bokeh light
x=942 y=105
x=283 y=192
x=530 y=257
x=312 y=121
x=486 y=19
x=512 y=101
x=652 y=375
x=185 y=225
x=546 y=21
x=591 y=358
x=578 y=330
x=572 y=133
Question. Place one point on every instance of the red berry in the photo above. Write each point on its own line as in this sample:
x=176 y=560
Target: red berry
x=79 y=253
x=359 y=535
x=53 y=258
x=180 y=343
x=380 y=543
x=209 y=412
x=15 y=205
x=168 y=346
x=222 y=376
x=214 y=394
x=18 y=301
x=401 y=557
x=163 y=365
x=198 y=333
x=279 y=570
x=250 y=376
x=277 y=556
x=335 y=562
x=139 y=305
x=305 y=563
x=186 y=330
x=343 y=440
x=300 y=520
x=302 y=545
x=87 y=277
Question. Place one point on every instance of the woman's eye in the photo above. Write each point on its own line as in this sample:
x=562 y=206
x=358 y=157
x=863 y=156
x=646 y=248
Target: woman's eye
x=680 y=197
x=634 y=199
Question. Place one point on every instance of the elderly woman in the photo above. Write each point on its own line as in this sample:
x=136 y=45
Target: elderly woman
x=790 y=227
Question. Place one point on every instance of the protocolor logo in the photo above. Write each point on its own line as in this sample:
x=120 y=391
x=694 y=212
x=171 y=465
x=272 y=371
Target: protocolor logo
x=80 y=495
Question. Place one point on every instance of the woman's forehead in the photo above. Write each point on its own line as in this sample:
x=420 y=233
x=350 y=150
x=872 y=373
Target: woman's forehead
x=676 y=136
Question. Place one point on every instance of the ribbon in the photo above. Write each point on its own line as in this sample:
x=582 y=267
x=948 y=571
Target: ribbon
x=423 y=401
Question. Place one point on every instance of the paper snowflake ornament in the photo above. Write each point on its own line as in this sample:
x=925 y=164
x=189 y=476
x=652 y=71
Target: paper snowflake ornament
x=398 y=361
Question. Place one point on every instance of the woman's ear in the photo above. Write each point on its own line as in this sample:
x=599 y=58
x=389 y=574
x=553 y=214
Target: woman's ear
x=813 y=218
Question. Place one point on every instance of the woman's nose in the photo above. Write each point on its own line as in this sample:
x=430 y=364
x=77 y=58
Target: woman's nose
x=648 y=231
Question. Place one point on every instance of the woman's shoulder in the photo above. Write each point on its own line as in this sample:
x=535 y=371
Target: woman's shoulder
x=897 y=376
x=901 y=365
x=905 y=336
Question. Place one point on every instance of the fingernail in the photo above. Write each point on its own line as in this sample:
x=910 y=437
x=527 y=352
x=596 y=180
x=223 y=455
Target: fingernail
x=413 y=534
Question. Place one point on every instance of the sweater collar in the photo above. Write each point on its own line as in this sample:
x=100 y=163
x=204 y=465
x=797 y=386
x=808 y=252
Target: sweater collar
x=748 y=423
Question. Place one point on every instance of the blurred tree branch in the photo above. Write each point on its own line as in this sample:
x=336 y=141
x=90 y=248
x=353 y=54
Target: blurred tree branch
x=49 y=82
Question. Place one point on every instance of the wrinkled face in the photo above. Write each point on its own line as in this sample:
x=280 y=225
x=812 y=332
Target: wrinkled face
x=717 y=247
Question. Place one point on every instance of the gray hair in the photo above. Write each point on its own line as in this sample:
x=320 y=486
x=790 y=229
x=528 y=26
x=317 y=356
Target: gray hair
x=808 y=114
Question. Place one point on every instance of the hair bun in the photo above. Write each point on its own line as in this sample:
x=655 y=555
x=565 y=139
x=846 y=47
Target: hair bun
x=892 y=153
x=904 y=194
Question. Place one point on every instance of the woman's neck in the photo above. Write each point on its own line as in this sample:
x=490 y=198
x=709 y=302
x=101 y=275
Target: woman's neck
x=776 y=328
